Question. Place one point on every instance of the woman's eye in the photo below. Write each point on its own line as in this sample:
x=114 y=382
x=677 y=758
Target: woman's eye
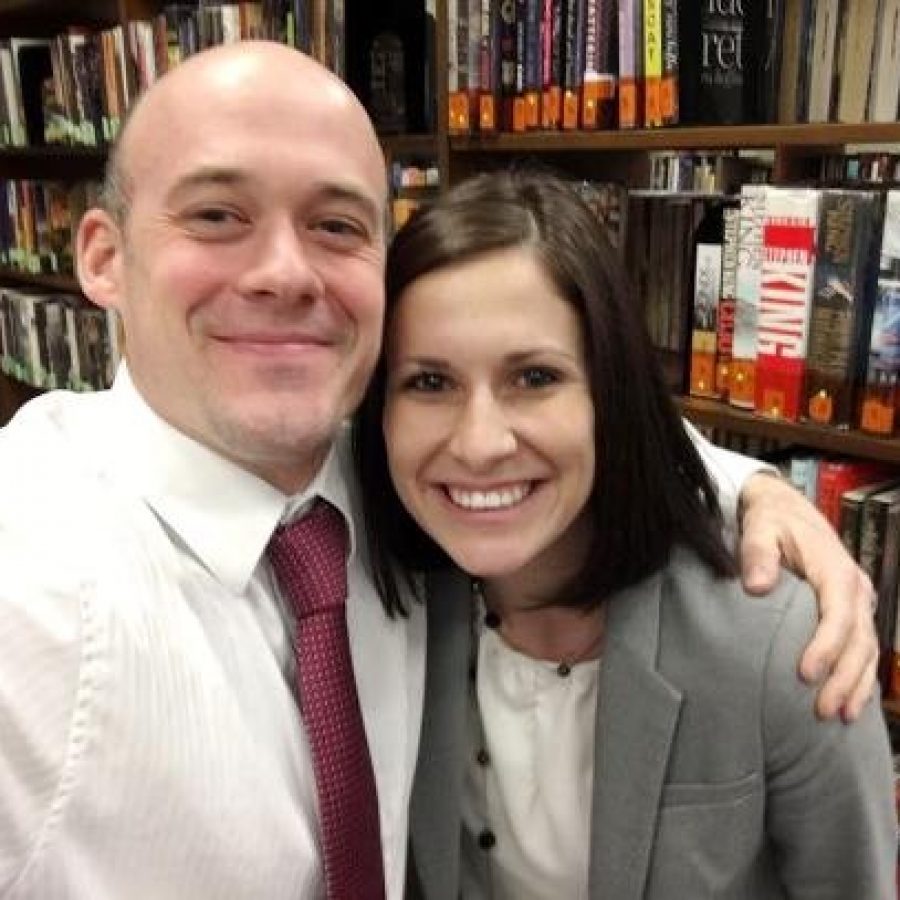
x=426 y=382
x=537 y=377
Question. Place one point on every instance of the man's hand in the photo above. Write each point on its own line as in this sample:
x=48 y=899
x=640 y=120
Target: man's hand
x=779 y=525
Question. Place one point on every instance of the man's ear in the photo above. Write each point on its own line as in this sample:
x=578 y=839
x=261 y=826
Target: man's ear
x=99 y=254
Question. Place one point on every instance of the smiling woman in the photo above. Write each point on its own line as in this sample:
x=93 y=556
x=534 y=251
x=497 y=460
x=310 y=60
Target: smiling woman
x=488 y=417
x=603 y=702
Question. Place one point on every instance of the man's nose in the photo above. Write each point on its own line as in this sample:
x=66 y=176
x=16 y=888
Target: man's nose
x=284 y=265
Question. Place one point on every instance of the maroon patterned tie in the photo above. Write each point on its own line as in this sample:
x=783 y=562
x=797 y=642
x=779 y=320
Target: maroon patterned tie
x=309 y=559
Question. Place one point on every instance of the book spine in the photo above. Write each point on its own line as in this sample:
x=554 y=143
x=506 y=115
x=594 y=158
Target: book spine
x=789 y=248
x=742 y=376
x=532 y=85
x=458 y=101
x=507 y=11
x=629 y=74
x=881 y=396
x=885 y=88
x=653 y=50
x=707 y=283
x=552 y=32
x=856 y=64
x=821 y=60
x=722 y=57
x=488 y=67
x=727 y=300
x=670 y=63
x=841 y=307
x=590 y=81
x=573 y=67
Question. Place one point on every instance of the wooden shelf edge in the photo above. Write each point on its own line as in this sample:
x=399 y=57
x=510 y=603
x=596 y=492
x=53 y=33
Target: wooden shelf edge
x=847 y=443
x=409 y=144
x=40 y=281
x=698 y=137
x=54 y=151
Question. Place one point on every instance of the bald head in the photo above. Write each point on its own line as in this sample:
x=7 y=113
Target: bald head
x=227 y=77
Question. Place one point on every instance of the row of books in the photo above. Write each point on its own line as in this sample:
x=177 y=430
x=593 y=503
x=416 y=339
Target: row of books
x=860 y=169
x=75 y=87
x=57 y=341
x=796 y=306
x=38 y=222
x=861 y=499
x=704 y=173
x=840 y=61
x=588 y=64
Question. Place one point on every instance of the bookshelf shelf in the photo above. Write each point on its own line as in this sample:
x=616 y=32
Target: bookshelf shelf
x=850 y=443
x=409 y=144
x=812 y=137
x=66 y=283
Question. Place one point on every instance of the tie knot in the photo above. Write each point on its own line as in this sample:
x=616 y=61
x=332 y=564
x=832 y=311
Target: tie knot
x=309 y=557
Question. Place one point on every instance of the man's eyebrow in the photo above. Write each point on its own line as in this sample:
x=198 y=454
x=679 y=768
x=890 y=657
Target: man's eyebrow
x=208 y=175
x=229 y=177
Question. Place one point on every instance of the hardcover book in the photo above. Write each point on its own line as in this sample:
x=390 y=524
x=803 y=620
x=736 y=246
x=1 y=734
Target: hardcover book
x=707 y=282
x=599 y=86
x=742 y=377
x=881 y=397
x=841 y=307
x=725 y=318
x=631 y=63
x=552 y=53
x=788 y=261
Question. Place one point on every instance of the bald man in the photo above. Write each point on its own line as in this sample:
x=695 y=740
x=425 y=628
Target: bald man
x=150 y=743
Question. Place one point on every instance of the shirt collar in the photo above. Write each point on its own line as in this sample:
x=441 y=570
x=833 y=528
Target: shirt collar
x=224 y=514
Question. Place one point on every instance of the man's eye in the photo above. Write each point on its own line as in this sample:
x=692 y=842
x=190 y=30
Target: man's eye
x=213 y=214
x=341 y=227
x=426 y=382
x=537 y=377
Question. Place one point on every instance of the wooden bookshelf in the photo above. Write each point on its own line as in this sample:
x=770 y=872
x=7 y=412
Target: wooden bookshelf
x=811 y=137
x=715 y=414
x=52 y=163
x=67 y=283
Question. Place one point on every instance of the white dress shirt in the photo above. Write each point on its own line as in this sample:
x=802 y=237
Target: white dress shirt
x=150 y=743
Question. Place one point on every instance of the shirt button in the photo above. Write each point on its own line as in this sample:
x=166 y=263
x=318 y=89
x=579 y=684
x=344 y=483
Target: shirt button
x=483 y=757
x=486 y=839
x=563 y=670
x=491 y=619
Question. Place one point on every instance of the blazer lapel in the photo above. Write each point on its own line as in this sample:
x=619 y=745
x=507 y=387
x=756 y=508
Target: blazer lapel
x=435 y=818
x=636 y=719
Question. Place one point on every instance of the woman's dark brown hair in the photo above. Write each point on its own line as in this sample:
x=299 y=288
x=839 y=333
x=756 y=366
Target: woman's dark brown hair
x=652 y=490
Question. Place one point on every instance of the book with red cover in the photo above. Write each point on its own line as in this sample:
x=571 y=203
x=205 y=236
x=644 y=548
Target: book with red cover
x=837 y=476
x=788 y=264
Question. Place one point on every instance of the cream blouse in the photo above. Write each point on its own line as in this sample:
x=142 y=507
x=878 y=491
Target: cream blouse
x=527 y=794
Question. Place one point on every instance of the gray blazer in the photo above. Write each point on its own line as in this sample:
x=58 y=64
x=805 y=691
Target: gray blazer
x=712 y=777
